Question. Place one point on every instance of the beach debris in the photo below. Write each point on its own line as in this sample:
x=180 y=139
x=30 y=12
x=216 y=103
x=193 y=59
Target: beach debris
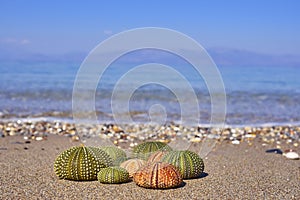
x=158 y=176
x=189 y=163
x=132 y=165
x=81 y=163
x=117 y=155
x=290 y=154
x=145 y=149
x=276 y=151
x=113 y=175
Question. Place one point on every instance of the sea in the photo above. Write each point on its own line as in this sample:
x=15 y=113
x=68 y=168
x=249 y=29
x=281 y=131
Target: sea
x=255 y=95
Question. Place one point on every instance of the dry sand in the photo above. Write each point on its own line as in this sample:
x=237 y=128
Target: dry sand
x=232 y=172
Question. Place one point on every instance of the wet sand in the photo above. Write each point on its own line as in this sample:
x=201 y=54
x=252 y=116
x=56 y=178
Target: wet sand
x=231 y=172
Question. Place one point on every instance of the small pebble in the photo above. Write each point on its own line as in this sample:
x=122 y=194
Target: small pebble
x=131 y=145
x=195 y=140
x=75 y=138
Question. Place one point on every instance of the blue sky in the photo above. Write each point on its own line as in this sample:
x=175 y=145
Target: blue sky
x=62 y=27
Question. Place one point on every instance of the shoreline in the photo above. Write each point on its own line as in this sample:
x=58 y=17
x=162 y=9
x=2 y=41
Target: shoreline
x=106 y=118
x=69 y=119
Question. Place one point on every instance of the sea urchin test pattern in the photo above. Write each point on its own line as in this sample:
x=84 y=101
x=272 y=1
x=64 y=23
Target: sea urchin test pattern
x=101 y=57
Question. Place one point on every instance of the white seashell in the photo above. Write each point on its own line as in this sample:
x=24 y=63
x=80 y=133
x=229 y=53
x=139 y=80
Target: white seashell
x=291 y=155
x=39 y=138
x=235 y=142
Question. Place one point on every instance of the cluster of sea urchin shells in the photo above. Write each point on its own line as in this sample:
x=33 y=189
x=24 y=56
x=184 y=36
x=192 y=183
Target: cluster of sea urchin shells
x=153 y=165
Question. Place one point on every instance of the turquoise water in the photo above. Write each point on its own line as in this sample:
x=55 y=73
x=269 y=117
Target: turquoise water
x=255 y=95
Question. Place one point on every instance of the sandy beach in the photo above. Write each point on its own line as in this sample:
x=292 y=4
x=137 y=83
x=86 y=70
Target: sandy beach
x=232 y=171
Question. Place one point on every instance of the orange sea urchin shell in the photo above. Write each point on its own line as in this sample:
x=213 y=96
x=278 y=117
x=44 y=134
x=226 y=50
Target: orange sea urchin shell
x=158 y=175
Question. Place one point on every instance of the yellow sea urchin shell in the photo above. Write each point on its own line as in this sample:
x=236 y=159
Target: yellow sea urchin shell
x=158 y=176
x=81 y=163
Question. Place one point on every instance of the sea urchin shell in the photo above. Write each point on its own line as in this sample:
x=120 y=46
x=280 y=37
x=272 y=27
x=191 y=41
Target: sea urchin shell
x=158 y=176
x=117 y=155
x=145 y=149
x=189 y=163
x=81 y=163
x=113 y=175
x=156 y=156
x=132 y=165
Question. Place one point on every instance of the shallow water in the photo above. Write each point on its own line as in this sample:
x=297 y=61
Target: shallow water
x=255 y=95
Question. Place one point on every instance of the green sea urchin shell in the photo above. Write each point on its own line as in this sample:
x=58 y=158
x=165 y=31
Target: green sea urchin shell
x=113 y=175
x=81 y=163
x=189 y=163
x=145 y=149
x=117 y=155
